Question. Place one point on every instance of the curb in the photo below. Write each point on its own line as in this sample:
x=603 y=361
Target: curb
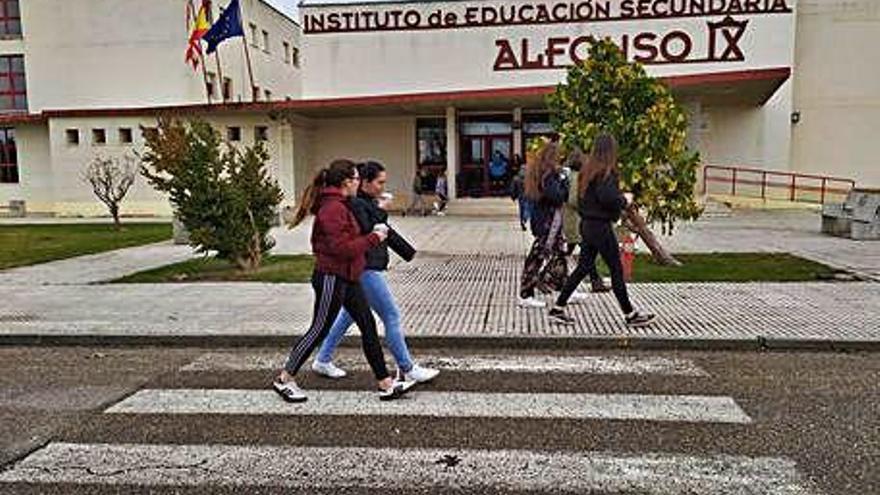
x=755 y=344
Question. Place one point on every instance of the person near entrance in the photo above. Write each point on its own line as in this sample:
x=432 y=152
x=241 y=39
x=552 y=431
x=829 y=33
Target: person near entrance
x=517 y=192
x=418 y=189
x=600 y=205
x=545 y=266
x=498 y=170
x=369 y=212
x=339 y=247
x=440 y=189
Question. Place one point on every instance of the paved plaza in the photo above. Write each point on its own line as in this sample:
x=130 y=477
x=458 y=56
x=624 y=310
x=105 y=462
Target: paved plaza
x=464 y=284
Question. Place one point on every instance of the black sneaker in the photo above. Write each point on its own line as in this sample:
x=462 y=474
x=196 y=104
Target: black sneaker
x=397 y=390
x=597 y=286
x=636 y=319
x=557 y=315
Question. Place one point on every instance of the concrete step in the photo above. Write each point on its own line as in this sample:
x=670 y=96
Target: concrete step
x=481 y=207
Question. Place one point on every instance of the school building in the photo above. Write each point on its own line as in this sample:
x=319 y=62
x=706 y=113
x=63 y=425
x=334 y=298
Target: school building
x=786 y=85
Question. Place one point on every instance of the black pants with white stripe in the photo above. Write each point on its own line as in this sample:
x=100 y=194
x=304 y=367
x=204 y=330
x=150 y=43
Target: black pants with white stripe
x=332 y=293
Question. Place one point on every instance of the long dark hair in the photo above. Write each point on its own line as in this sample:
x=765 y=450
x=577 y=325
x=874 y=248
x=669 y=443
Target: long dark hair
x=601 y=163
x=332 y=176
x=538 y=165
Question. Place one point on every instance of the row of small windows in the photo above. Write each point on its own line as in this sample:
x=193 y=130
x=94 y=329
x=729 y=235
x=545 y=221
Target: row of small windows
x=125 y=135
x=291 y=53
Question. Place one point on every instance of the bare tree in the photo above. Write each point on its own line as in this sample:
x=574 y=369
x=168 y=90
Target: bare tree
x=111 y=178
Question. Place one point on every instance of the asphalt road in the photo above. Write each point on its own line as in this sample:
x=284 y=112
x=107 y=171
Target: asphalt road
x=494 y=421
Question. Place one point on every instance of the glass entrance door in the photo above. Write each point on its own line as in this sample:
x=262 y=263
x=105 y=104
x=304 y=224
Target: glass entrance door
x=486 y=147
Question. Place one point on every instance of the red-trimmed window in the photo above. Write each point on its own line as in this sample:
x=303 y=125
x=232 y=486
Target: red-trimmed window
x=13 y=90
x=8 y=156
x=10 y=19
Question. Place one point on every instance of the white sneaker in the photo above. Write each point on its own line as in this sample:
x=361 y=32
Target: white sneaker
x=577 y=297
x=421 y=374
x=530 y=302
x=289 y=391
x=328 y=369
x=397 y=390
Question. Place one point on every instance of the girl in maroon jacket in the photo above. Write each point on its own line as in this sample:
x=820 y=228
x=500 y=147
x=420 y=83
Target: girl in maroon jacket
x=339 y=249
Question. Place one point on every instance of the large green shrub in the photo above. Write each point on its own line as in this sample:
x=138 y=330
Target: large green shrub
x=223 y=195
x=605 y=93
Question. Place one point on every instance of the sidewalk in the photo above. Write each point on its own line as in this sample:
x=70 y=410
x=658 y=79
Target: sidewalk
x=462 y=285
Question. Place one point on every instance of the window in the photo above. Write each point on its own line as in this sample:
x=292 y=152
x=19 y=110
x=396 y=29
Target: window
x=431 y=135
x=266 y=41
x=233 y=134
x=286 y=47
x=227 y=89
x=261 y=133
x=211 y=84
x=254 y=40
x=72 y=137
x=125 y=135
x=99 y=136
x=8 y=156
x=10 y=19
x=268 y=95
x=296 y=57
x=13 y=91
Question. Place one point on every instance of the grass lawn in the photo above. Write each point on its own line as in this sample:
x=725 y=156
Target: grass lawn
x=288 y=268
x=30 y=244
x=713 y=267
x=730 y=267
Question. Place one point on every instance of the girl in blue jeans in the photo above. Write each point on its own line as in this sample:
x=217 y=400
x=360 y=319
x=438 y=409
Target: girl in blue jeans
x=368 y=213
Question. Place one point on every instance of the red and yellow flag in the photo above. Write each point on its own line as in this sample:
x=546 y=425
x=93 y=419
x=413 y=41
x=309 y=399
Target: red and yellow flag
x=198 y=25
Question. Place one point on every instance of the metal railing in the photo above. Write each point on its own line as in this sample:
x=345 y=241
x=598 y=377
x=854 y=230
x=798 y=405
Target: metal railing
x=772 y=184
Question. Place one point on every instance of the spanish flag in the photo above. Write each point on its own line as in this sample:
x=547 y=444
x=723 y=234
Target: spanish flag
x=198 y=25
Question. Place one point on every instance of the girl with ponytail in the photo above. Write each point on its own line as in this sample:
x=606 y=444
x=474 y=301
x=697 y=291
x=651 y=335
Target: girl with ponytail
x=339 y=249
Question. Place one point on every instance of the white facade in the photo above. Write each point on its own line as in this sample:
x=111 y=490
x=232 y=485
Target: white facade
x=90 y=64
x=466 y=50
x=357 y=78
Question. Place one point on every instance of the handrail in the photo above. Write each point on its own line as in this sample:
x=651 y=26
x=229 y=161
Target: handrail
x=790 y=178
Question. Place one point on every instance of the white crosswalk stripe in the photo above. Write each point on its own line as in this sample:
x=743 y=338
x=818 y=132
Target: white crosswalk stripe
x=609 y=365
x=421 y=466
x=330 y=467
x=690 y=408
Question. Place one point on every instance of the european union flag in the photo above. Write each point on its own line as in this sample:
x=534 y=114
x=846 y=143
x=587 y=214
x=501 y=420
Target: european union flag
x=227 y=26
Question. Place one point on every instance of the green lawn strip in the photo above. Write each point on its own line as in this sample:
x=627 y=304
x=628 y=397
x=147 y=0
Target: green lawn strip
x=730 y=267
x=275 y=269
x=22 y=245
x=710 y=267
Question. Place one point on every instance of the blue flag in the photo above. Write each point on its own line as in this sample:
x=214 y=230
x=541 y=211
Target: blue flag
x=227 y=26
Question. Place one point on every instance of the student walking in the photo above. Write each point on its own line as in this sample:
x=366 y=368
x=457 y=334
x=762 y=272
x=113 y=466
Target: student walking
x=545 y=267
x=369 y=212
x=571 y=218
x=339 y=248
x=600 y=205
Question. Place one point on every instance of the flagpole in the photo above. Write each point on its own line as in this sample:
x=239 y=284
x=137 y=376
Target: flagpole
x=247 y=54
x=205 y=77
x=220 y=74
x=210 y=14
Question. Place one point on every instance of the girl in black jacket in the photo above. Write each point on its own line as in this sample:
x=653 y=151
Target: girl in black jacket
x=547 y=190
x=600 y=205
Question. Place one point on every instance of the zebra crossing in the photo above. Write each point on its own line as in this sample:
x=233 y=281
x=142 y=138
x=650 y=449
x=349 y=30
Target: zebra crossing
x=364 y=463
